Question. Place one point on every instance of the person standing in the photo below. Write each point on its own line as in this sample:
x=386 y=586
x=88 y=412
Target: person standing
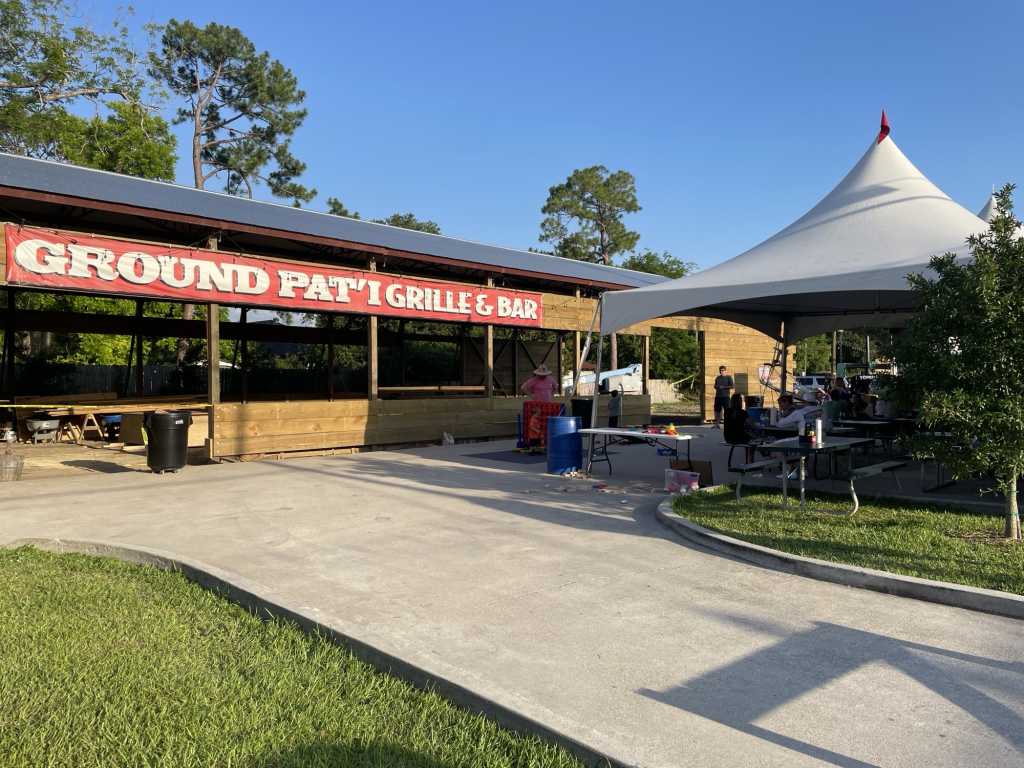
x=540 y=390
x=723 y=388
x=541 y=386
x=614 y=409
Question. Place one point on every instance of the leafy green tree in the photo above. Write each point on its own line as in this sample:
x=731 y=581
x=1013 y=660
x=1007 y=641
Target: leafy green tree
x=663 y=263
x=337 y=208
x=128 y=140
x=814 y=353
x=47 y=68
x=242 y=106
x=583 y=215
x=960 y=357
x=403 y=220
x=409 y=221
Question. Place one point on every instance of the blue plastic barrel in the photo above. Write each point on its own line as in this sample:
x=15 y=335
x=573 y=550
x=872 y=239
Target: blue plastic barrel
x=565 y=444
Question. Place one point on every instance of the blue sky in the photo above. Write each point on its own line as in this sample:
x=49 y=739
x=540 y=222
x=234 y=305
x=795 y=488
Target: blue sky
x=734 y=117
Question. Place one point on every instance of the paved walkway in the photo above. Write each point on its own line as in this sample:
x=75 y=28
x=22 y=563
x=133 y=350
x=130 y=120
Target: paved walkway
x=577 y=608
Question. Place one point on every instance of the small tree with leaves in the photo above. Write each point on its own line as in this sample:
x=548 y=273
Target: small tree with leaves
x=242 y=107
x=961 y=357
x=48 y=67
x=404 y=220
x=583 y=215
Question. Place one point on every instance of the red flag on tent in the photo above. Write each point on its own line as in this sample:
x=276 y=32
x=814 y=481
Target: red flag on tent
x=884 y=130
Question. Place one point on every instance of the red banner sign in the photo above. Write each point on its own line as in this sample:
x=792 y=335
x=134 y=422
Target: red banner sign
x=48 y=259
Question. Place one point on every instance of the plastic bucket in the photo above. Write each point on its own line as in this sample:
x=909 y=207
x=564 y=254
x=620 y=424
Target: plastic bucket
x=565 y=444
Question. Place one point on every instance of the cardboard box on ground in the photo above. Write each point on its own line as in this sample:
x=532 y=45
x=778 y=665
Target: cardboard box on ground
x=703 y=468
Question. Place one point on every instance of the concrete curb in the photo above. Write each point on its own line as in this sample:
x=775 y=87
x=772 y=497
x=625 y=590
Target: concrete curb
x=956 y=595
x=247 y=594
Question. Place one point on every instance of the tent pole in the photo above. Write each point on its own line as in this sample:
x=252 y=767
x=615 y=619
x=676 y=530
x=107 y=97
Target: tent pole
x=784 y=378
x=582 y=357
x=597 y=391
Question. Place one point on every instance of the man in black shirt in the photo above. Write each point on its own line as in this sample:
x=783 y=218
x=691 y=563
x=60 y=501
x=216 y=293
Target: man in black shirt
x=723 y=388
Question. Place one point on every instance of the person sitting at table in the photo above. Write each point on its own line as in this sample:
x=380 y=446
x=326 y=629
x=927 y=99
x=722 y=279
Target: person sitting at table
x=860 y=406
x=738 y=428
x=790 y=416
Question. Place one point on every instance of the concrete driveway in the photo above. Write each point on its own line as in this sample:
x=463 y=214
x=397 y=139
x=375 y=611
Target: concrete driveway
x=577 y=608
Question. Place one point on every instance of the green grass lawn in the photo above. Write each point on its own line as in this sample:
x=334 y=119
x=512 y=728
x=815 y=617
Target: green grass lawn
x=930 y=542
x=108 y=664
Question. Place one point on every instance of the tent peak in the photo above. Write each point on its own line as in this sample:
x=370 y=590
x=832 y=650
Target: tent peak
x=883 y=129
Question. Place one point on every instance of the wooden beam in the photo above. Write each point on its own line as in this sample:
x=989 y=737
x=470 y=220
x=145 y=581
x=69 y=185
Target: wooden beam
x=613 y=352
x=212 y=345
x=558 y=360
x=401 y=353
x=489 y=351
x=244 y=385
x=372 y=371
x=646 y=341
x=173 y=328
x=330 y=356
x=578 y=346
x=8 y=353
x=515 y=361
x=140 y=308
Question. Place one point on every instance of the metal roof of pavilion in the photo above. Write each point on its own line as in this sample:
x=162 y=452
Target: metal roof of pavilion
x=90 y=184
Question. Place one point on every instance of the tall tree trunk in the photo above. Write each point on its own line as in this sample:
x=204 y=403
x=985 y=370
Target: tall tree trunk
x=188 y=311
x=1011 y=528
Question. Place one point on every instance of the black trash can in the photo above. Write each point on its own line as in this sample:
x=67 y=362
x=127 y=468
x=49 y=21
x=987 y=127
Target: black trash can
x=581 y=407
x=167 y=439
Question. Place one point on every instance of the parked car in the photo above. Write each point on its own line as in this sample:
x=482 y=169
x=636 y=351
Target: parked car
x=805 y=387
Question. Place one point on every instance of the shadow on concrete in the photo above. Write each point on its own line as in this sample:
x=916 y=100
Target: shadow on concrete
x=354 y=755
x=519 y=492
x=98 y=465
x=740 y=693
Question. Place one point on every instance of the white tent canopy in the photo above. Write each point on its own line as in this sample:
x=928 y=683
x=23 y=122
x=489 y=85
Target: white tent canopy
x=842 y=264
x=989 y=211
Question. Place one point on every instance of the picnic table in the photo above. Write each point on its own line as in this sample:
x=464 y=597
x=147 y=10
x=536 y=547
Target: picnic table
x=624 y=436
x=793 y=445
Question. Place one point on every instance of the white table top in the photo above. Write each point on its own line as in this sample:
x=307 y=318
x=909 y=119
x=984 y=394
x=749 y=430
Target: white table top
x=621 y=432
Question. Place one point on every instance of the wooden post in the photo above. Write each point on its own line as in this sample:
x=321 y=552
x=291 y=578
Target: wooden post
x=515 y=362
x=489 y=351
x=371 y=347
x=647 y=364
x=8 y=354
x=558 y=360
x=140 y=383
x=577 y=345
x=613 y=352
x=401 y=353
x=835 y=370
x=212 y=362
x=244 y=385
x=330 y=356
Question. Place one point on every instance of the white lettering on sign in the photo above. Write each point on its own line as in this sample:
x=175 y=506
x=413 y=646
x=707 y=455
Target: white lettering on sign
x=66 y=261
x=83 y=257
x=137 y=267
x=53 y=262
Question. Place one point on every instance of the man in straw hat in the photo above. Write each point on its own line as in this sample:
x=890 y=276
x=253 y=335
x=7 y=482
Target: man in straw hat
x=540 y=390
x=541 y=386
